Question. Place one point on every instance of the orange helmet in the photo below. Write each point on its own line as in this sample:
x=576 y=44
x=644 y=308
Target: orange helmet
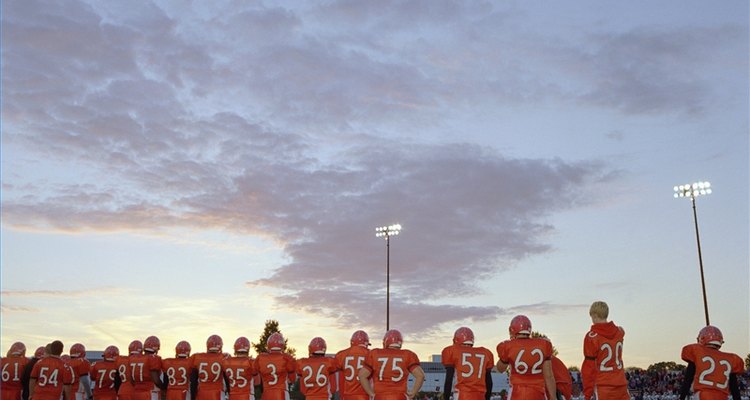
x=135 y=347
x=111 y=353
x=275 y=342
x=392 y=339
x=151 y=344
x=214 y=343
x=241 y=345
x=39 y=352
x=710 y=335
x=317 y=346
x=17 y=349
x=360 y=338
x=77 y=350
x=463 y=335
x=182 y=349
x=520 y=325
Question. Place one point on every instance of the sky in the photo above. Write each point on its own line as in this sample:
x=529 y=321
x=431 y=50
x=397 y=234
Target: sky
x=187 y=168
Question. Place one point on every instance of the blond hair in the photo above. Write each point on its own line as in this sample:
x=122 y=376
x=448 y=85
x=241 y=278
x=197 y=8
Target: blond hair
x=599 y=309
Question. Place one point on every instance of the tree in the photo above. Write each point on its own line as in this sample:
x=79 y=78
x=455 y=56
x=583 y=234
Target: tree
x=573 y=368
x=272 y=326
x=665 y=366
x=535 y=334
x=747 y=362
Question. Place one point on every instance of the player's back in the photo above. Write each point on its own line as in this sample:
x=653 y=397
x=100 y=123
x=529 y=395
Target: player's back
x=12 y=373
x=712 y=369
x=139 y=372
x=471 y=365
x=239 y=372
x=126 y=385
x=275 y=370
x=526 y=358
x=51 y=374
x=177 y=372
x=103 y=374
x=607 y=343
x=390 y=370
x=314 y=374
x=349 y=361
x=210 y=373
x=80 y=367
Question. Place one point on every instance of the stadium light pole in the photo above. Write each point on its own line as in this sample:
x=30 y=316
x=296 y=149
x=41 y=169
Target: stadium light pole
x=692 y=191
x=386 y=232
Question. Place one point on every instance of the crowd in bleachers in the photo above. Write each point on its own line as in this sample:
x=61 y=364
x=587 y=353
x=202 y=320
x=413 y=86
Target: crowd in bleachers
x=662 y=385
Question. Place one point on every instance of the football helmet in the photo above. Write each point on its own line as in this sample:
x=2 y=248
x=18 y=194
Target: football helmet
x=214 y=344
x=520 y=325
x=317 y=346
x=151 y=344
x=135 y=347
x=392 y=339
x=360 y=338
x=463 y=335
x=111 y=353
x=182 y=349
x=17 y=349
x=275 y=342
x=77 y=350
x=39 y=352
x=241 y=345
x=710 y=335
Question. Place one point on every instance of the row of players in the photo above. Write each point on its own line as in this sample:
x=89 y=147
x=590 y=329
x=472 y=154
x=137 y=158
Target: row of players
x=363 y=374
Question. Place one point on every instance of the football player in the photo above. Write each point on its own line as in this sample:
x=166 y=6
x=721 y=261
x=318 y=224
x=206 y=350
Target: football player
x=207 y=379
x=105 y=377
x=127 y=388
x=473 y=365
x=50 y=377
x=140 y=371
x=529 y=359
x=151 y=348
x=390 y=368
x=40 y=352
x=711 y=373
x=239 y=371
x=12 y=370
x=177 y=372
x=315 y=371
x=563 y=380
x=81 y=383
x=276 y=369
x=349 y=361
x=602 y=372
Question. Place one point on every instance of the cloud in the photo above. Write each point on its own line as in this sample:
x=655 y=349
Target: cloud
x=59 y=293
x=6 y=308
x=181 y=118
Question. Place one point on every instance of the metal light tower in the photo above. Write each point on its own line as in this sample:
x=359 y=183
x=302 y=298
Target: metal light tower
x=692 y=191
x=386 y=232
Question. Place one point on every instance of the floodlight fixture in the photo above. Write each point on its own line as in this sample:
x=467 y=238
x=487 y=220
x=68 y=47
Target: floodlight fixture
x=386 y=232
x=692 y=191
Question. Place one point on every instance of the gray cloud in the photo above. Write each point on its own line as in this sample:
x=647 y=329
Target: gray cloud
x=280 y=125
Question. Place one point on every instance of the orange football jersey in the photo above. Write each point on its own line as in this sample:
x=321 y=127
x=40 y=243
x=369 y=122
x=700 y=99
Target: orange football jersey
x=390 y=370
x=51 y=374
x=349 y=361
x=103 y=374
x=603 y=345
x=314 y=376
x=239 y=372
x=210 y=374
x=80 y=368
x=525 y=356
x=126 y=386
x=276 y=370
x=12 y=371
x=471 y=365
x=712 y=369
